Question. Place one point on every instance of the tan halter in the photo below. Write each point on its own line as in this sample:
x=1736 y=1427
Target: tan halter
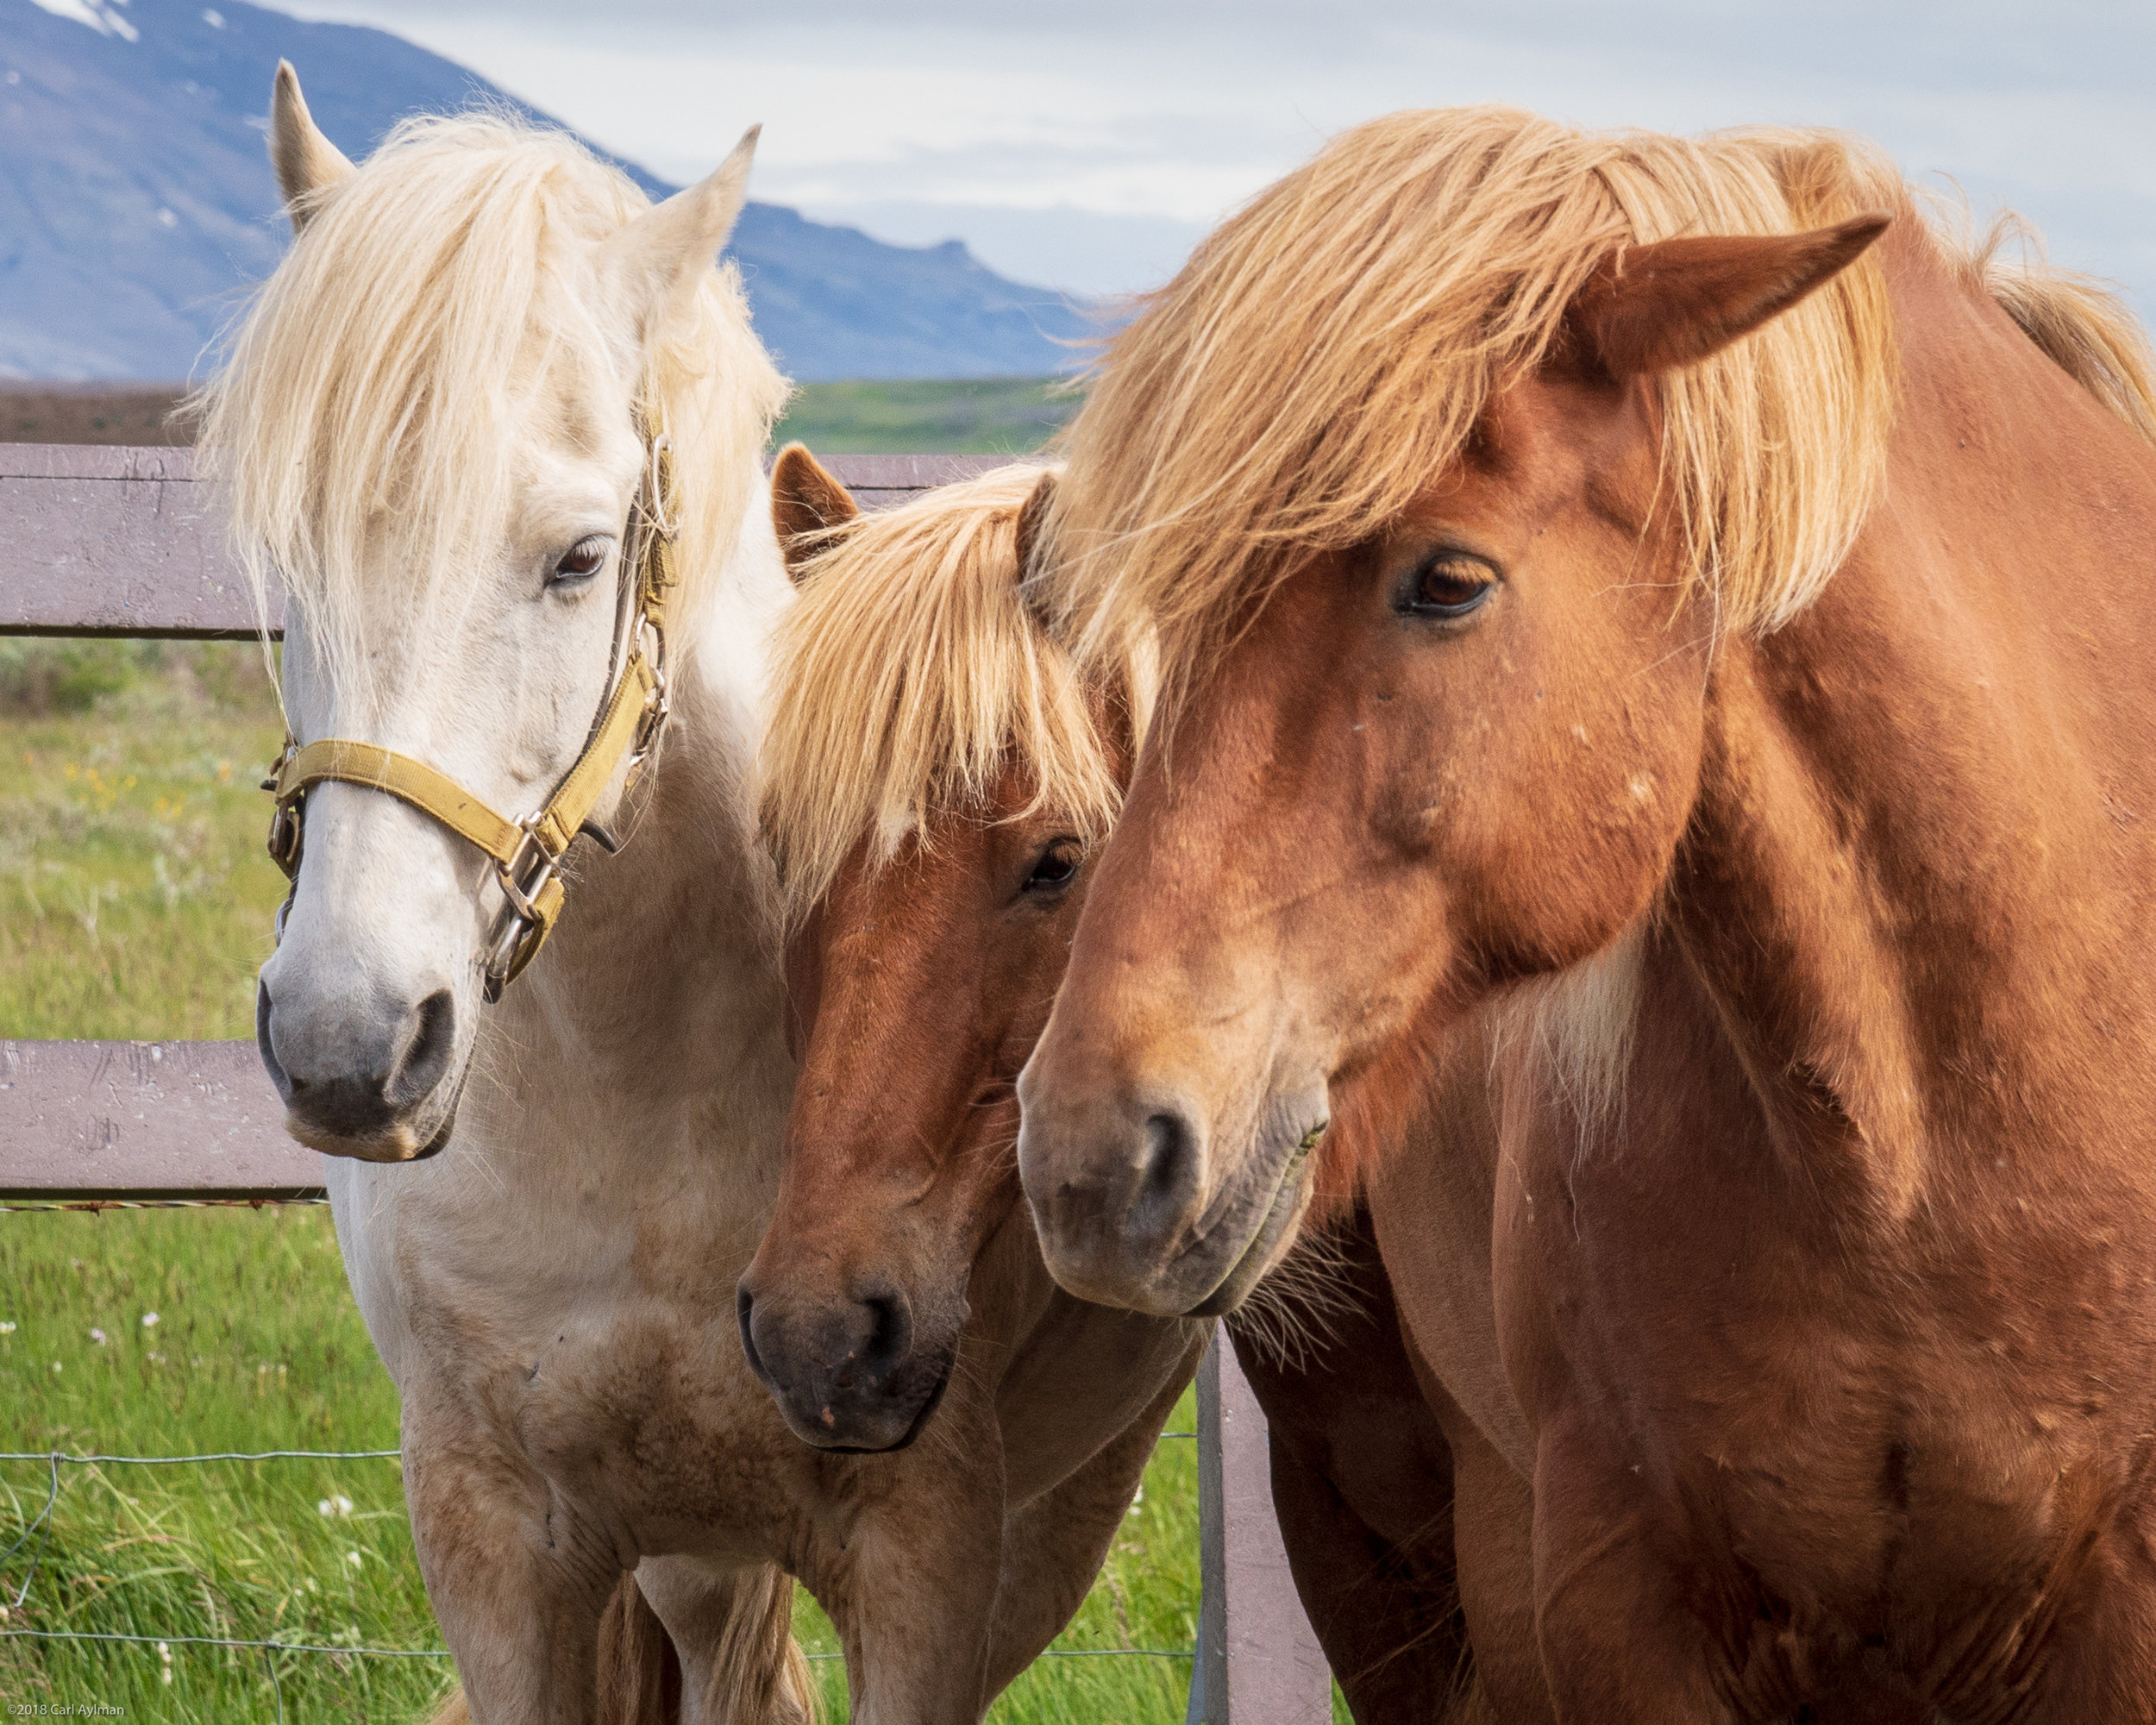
x=527 y=853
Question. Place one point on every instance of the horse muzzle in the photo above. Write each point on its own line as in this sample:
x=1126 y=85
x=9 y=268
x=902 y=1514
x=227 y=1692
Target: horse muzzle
x=852 y=1374
x=375 y=1080
x=1142 y=1200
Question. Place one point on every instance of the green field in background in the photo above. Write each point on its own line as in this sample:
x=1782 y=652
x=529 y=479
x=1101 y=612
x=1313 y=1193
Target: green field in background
x=989 y=415
x=136 y=901
x=937 y=416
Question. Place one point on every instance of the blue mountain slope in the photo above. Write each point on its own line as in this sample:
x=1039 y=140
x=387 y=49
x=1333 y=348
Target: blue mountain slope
x=136 y=203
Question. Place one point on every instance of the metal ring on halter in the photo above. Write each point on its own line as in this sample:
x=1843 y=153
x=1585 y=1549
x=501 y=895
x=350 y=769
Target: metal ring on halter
x=522 y=917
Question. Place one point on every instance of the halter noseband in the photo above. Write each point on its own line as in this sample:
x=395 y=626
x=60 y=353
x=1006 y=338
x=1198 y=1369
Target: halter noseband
x=527 y=853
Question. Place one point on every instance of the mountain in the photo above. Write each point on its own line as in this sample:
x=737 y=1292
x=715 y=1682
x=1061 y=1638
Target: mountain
x=136 y=203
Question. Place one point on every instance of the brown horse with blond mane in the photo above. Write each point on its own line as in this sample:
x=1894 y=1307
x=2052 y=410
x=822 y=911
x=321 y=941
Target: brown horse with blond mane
x=1667 y=607
x=937 y=773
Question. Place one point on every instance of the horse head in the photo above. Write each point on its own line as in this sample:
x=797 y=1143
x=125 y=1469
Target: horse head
x=934 y=784
x=445 y=434
x=1422 y=564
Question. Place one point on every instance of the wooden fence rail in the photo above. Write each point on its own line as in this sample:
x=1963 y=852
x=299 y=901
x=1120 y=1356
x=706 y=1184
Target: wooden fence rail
x=121 y=541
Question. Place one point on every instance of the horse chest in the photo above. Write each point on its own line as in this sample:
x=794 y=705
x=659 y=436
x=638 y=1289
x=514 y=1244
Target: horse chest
x=573 y=1307
x=1862 y=1450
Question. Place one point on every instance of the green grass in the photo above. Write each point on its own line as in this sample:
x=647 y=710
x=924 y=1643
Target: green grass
x=988 y=416
x=136 y=901
x=135 y=898
x=256 y=1346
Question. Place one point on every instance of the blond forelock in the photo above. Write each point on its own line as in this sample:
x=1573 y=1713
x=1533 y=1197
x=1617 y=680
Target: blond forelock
x=911 y=673
x=1324 y=356
x=383 y=377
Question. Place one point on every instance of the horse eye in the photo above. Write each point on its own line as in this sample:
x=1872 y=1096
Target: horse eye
x=1450 y=585
x=581 y=561
x=1053 y=867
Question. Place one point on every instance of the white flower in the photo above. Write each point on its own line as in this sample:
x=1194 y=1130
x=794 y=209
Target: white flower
x=353 y=1558
x=337 y=1505
x=7 y=1329
x=56 y=1368
x=150 y=1320
x=98 y=1337
x=165 y=1653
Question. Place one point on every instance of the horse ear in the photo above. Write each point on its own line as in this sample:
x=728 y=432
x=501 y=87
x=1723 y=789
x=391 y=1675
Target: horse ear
x=309 y=166
x=1033 y=522
x=1660 y=307
x=657 y=262
x=806 y=503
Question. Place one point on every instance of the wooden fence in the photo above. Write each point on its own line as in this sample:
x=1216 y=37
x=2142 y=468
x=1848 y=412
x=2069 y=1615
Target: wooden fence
x=122 y=541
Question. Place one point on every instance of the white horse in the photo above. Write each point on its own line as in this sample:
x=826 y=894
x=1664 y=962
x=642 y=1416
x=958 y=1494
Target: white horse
x=441 y=431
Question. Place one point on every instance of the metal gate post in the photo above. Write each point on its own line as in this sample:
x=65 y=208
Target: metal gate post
x=1258 y=1659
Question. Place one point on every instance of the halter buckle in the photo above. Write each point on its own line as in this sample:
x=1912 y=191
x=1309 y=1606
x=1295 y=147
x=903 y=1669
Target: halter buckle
x=284 y=837
x=524 y=925
x=658 y=705
x=284 y=827
x=532 y=887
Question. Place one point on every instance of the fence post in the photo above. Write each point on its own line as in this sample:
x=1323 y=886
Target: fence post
x=1258 y=1659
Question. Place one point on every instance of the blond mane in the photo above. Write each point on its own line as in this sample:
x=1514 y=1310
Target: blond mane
x=2078 y=321
x=912 y=671
x=380 y=379
x=1324 y=354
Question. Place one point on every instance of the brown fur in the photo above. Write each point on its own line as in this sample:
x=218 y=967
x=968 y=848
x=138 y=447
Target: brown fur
x=1656 y=308
x=639 y=1674
x=1362 y=1483
x=912 y=665
x=1455 y=243
x=898 y=1300
x=919 y=980
x=1824 y=1340
x=807 y=505
x=554 y=1293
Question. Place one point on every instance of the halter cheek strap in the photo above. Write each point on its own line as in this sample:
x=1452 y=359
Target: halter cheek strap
x=527 y=853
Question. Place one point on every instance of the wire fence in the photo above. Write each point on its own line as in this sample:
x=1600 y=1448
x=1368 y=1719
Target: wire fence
x=30 y=1207
x=40 y=1525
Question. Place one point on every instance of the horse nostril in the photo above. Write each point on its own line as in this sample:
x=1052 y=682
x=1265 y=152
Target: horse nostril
x=270 y=1062
x=889 y=1339
x=427 y=1051
x=744 y=1311
x=1171 y=1158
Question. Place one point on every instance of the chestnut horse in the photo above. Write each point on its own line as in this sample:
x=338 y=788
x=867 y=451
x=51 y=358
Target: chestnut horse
x=936 y=778
x=893 y=1302
x=1594 y=593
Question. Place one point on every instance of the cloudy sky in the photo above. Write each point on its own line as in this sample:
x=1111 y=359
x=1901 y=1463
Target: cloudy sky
x=1085 y=144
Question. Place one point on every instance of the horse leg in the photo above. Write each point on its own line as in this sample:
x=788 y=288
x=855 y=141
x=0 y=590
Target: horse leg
x=517 y=1581
x=910 y=1583
x=1362 y=1484
x=734 y=1630
x=1053 y=1546
x=1618 y=1646
x=1387 y=1618
x=639 y=1671
x=1492 y=1542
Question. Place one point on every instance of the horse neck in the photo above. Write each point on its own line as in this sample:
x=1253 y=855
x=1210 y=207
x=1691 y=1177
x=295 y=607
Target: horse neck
x=663 y=978
x=1914 y=882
